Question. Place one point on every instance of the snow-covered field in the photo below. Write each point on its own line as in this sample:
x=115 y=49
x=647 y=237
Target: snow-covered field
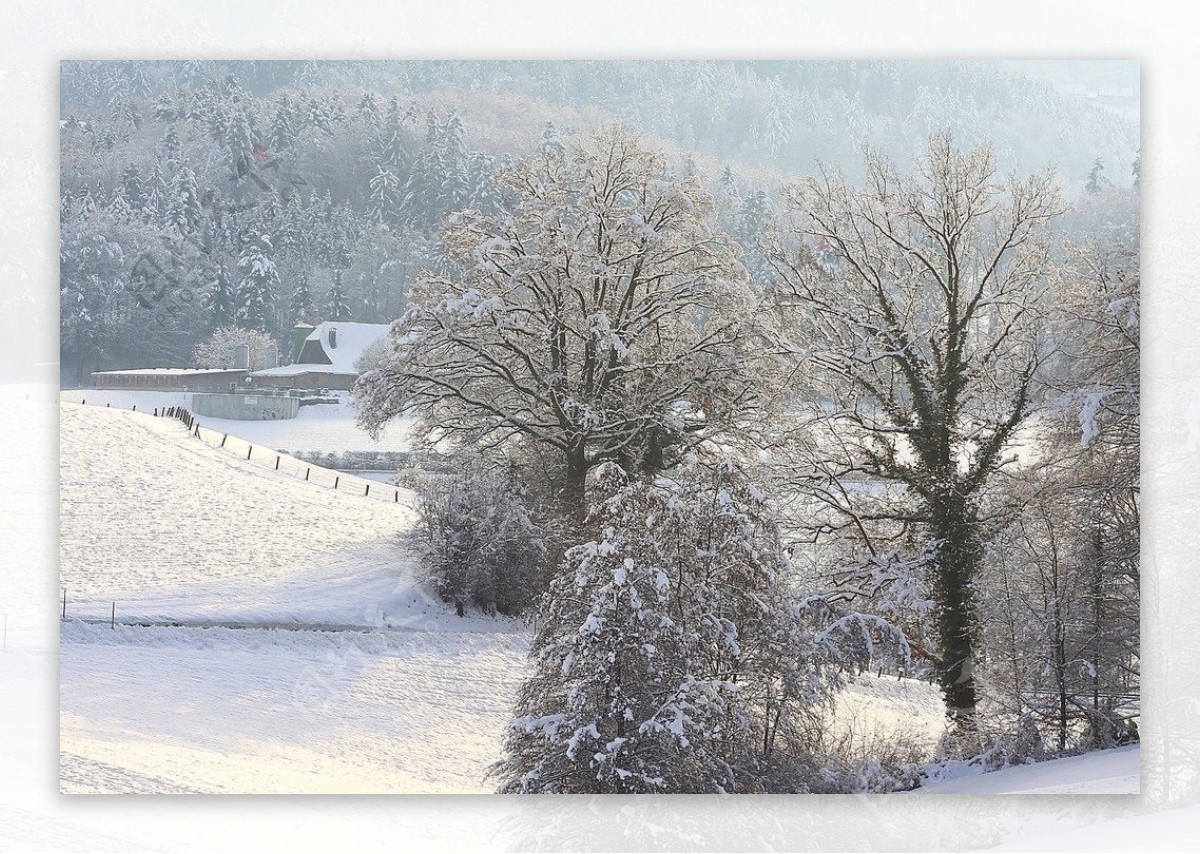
x=278 y=711
x=404 y=696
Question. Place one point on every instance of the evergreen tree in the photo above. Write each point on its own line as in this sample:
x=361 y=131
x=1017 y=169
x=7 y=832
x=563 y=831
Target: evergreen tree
x=670 y=655
x=221 y=299
x=384 y=202
x=131 y=188
x=1097 y=181
x=391 y=141
x=184 y=213
x=339 y=306
x=260 y=280
x=283 y=127
x=170 y=144
x=302 y=300
x=368 y=111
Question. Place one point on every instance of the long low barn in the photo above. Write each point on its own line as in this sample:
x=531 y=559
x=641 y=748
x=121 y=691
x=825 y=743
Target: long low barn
x=170 y=379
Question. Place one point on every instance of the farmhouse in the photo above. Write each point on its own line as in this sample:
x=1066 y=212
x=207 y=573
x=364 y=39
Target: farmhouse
x=327 y=358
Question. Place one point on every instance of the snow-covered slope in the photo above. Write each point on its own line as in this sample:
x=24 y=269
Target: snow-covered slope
x=171 y=529
x=1102 y=772
x=291 y=649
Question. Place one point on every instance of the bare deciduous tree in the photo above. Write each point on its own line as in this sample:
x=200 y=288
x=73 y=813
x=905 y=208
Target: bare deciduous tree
x=917 y=302
x=601 y=317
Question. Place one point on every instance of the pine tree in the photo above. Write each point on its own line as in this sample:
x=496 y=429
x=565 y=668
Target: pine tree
x=131 y=188
x=384 y=201
x=170 y=144
x=260 y=280
x=1096 y=179
x=183 y=205
x=221 y=299
x=283 y=126
x=339 y=306
x=391 y=140
x=302 y=300
x=368 y=111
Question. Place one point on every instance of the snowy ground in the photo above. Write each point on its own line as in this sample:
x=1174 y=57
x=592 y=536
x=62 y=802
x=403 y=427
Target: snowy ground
x=300 y=653
x=884 y=710
x=1102 y=772
x=275 y=711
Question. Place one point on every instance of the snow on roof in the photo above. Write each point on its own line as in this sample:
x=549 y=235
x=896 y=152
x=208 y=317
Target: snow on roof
x=297 y=369
x=351 y=339
x=165 y=372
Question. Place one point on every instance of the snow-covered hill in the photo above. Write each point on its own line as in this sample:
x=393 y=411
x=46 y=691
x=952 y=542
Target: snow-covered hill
x=295 y=652
x=275 y=711
x=170 y=528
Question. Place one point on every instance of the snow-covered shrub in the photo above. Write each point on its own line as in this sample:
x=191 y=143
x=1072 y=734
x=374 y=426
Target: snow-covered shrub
x=963 y=750
x=1108 y=728
x=478 y=542
x=672 y=656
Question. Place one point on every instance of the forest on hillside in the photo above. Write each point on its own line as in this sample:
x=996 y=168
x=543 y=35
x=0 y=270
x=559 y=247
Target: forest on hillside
x=262 y=193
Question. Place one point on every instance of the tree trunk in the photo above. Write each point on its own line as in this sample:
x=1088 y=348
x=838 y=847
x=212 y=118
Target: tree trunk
x=575 y=487
x=955 y=565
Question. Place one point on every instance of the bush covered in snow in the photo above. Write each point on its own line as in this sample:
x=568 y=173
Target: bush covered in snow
x=478 y=542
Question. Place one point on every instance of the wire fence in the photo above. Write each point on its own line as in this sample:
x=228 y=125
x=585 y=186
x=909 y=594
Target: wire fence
x=272 y=459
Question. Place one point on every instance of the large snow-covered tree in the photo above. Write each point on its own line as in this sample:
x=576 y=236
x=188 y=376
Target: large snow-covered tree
x=672 y=655
x=601 y=316
x=920 y=322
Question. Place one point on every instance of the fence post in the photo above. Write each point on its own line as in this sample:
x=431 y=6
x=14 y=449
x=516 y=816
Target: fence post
x=335 y=480
x=397 y=496
x=223 y=438
x=277 y=462
x=135 y=407
x=156 y=412
x=64 y=603
x=249 y=451
x=113 y=624
x=368 y=491
x=307 y=472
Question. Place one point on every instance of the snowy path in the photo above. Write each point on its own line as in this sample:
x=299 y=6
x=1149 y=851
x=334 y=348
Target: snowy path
x=227 y=710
